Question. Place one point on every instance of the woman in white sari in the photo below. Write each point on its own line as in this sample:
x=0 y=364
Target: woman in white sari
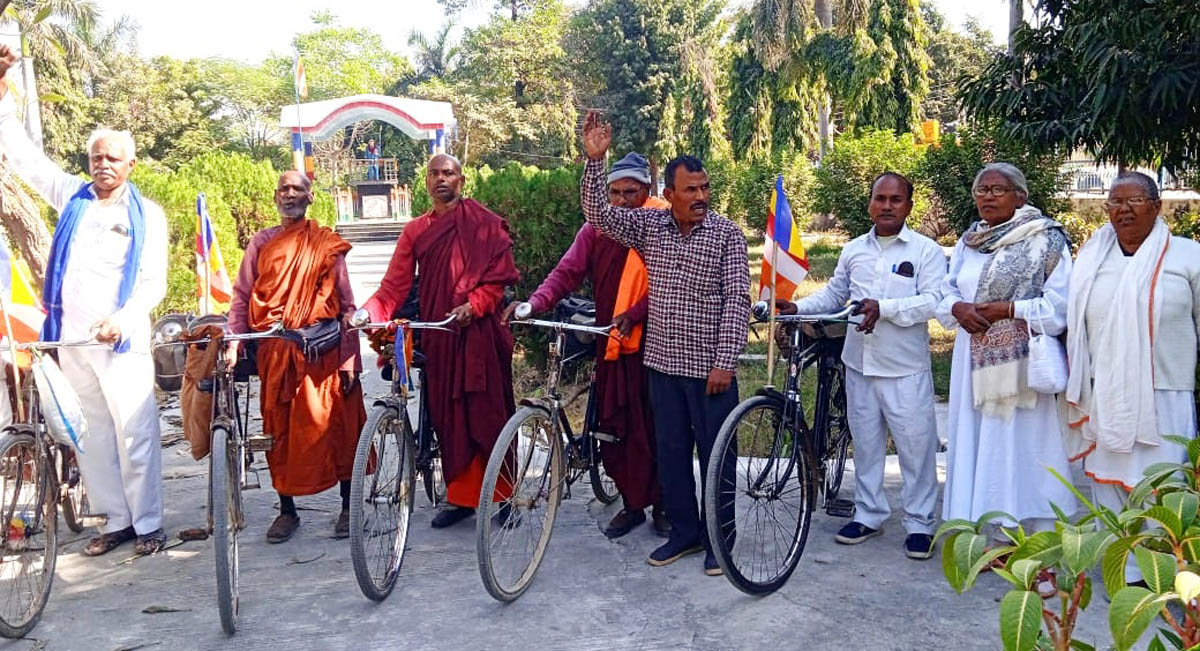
x=1008 y=270
x=1132 y=338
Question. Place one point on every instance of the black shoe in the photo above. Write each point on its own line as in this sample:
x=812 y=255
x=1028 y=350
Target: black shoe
x=669 y=552
x=624 y=522
x=662 y=526
x=341 y=528
x=854 y=533
x=918 y=546
x=505 y=517
x=283 y=528
x=451 y=515
x=711 y=566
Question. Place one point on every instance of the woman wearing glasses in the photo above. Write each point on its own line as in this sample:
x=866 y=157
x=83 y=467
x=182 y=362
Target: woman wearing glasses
x=1134 y=325
x=1009 y=273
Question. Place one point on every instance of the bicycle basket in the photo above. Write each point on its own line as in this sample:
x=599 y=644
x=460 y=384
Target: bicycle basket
x=169 y=361
x=577 y=310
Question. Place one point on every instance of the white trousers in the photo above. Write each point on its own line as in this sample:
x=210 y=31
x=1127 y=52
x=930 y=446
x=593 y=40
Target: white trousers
x=121 y=461
x=903 y=405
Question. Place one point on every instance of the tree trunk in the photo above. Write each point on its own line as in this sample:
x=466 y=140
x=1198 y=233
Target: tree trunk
x=824 y=11
x=19 y=215
x=1016 y=17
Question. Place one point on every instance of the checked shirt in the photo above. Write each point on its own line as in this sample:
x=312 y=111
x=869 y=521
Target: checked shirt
x=699 y=283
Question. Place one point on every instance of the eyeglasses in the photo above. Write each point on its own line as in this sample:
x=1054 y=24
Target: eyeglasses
x=994 y=190
x=1132 y=202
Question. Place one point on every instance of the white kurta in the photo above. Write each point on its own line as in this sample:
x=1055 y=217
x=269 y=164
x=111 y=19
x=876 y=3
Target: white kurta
x=121 y=464
x=994 y=464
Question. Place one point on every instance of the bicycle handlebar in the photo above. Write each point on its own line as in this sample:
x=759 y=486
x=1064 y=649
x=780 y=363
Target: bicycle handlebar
x=841 y=316
x=49 y=345
x=606 y=331
x=408 y=325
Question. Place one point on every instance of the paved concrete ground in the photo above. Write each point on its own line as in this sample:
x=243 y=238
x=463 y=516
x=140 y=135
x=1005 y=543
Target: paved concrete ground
x=591 y=593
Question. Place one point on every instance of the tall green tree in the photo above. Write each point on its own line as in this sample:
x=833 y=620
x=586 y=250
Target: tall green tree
x=341 y=60
x=436 y=56
x=514 y=7
x=900 y=38
x=953 y=57
x=1118 y=78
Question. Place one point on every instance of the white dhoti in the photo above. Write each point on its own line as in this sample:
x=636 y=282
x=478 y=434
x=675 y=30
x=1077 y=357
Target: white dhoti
x=121 y=461
x=903 y=405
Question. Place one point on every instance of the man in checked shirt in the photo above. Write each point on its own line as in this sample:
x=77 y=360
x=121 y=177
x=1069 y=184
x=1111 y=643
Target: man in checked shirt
x=699 y=316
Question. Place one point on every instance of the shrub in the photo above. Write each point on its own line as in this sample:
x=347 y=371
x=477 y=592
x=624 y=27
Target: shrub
x=949 y=169
x=843 y=180
x=749 y=196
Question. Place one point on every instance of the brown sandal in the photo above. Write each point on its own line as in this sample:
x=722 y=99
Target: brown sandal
x=106 y=542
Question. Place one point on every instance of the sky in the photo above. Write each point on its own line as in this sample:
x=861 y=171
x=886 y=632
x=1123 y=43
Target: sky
x=250 y=30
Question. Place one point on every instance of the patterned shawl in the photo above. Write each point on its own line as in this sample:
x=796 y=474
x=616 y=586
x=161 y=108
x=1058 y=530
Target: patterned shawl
x=1022 y=253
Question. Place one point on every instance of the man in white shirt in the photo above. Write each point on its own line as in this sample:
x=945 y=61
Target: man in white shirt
x=895 y=274
x=107 y=271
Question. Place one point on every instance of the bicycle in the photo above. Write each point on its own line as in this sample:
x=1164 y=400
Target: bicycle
x=33 y=465
x=229 y=461
x=527 y=469
x=768 y=462
x=388 y=457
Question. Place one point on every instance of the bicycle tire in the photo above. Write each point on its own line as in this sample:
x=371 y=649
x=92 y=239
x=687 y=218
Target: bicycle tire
x=19 y=621
x=522 y=433
x=385 y=434
x=434 y=482
x=837 y=435
x=777 y=458
x=74 y=501
x=603 y=485
x=224 y=499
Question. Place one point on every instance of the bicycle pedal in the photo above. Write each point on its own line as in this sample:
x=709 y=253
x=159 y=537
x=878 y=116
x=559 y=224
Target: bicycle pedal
x=605 y=436
x=260 y=443
x=841 y=508
x=93 y=520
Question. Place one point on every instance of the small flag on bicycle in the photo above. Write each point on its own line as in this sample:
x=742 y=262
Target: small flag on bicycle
x=404 y=336
x=214 y=284
x=782 y=245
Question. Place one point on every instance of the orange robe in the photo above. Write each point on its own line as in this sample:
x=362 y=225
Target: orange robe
x=313 y=419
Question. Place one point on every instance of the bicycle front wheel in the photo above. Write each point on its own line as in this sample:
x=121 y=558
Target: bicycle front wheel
x=759 y=495
x=381 y=500
x=522 y=488
x=225 y=500
x=28 y=534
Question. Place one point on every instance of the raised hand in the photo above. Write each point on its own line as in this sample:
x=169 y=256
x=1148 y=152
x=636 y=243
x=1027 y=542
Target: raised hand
x=597 y=135
x=8 y=59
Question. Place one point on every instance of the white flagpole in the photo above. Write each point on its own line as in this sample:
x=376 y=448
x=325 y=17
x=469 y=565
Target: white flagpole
x=771 y=313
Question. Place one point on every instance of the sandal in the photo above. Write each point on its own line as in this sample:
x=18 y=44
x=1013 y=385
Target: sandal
x=150 y=543
x=106 y=542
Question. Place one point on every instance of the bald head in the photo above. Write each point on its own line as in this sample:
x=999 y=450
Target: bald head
x=293 y=196
x=444 y=181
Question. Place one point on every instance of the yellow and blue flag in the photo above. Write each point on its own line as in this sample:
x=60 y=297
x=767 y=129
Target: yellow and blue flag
x=25 y=312
x=214 y=285
x=782 y=245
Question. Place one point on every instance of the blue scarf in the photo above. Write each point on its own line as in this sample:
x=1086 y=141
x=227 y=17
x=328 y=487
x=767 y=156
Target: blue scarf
x=60 y=253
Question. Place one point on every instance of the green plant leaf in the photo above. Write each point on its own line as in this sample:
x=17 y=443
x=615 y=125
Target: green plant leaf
x=1112 y=565
x=992 y=515
x=1167 y=519
x=1026 y=570
x=1183 y=504
x=1153 y=475
x=1080 y=645
x=1193 y=450
x=1085 y=597
x=1131 y=611
x=990 y=555
x=51 y=98
x=949 y=567
x=1158 y=569
x=951 y=527
x=968 y=547
x=43 y=14
x=1020 y=620
x=1044 y=546
x=1156 y=645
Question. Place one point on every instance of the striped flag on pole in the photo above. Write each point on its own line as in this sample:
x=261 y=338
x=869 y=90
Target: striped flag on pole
x=782 y=245
x=299 y=78
x=24 y=313
x=214 y=284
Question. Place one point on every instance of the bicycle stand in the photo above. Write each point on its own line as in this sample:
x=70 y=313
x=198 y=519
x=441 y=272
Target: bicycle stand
x=840 y=508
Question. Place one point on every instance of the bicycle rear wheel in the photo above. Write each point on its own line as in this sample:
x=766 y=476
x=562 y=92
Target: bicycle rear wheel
x=74 y=499
x=603 y=486
x=526 y=471
x=225 y=499
x=837 y=433
x=28 y=534
x=382 y=489
x=759 y=495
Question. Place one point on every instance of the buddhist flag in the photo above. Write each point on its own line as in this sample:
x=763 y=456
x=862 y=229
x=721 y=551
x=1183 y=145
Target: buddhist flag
x=782 y=245
x=25 y=311
x=299 y=78
x=214 y=283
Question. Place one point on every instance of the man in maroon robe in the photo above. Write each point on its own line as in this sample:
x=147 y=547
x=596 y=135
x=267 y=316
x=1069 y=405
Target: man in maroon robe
x=465 y=256
x=621 y=389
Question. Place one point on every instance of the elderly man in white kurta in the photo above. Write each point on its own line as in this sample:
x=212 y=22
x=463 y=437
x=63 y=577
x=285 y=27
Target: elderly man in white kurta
x=1132 y=338
x=107 y=271
x=896 y=274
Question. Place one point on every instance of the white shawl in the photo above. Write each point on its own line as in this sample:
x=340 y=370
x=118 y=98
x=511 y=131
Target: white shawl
x=1112 y=398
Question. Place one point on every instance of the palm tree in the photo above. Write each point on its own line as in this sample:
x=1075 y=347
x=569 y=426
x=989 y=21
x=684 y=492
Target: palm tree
x=435 y=59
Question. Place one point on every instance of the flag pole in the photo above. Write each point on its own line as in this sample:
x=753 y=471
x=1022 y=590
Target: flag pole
x=771 y=316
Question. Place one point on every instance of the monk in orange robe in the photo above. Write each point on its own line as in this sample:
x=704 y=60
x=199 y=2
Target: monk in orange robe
x=295 y=273
x=465 y=256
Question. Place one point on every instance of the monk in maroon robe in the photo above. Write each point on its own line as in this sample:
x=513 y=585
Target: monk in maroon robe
x=464 y=253
x=621 y=388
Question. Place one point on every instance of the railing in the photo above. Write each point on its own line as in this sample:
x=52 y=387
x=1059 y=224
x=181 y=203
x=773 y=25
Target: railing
x=1087 y=176
x=363 y=170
